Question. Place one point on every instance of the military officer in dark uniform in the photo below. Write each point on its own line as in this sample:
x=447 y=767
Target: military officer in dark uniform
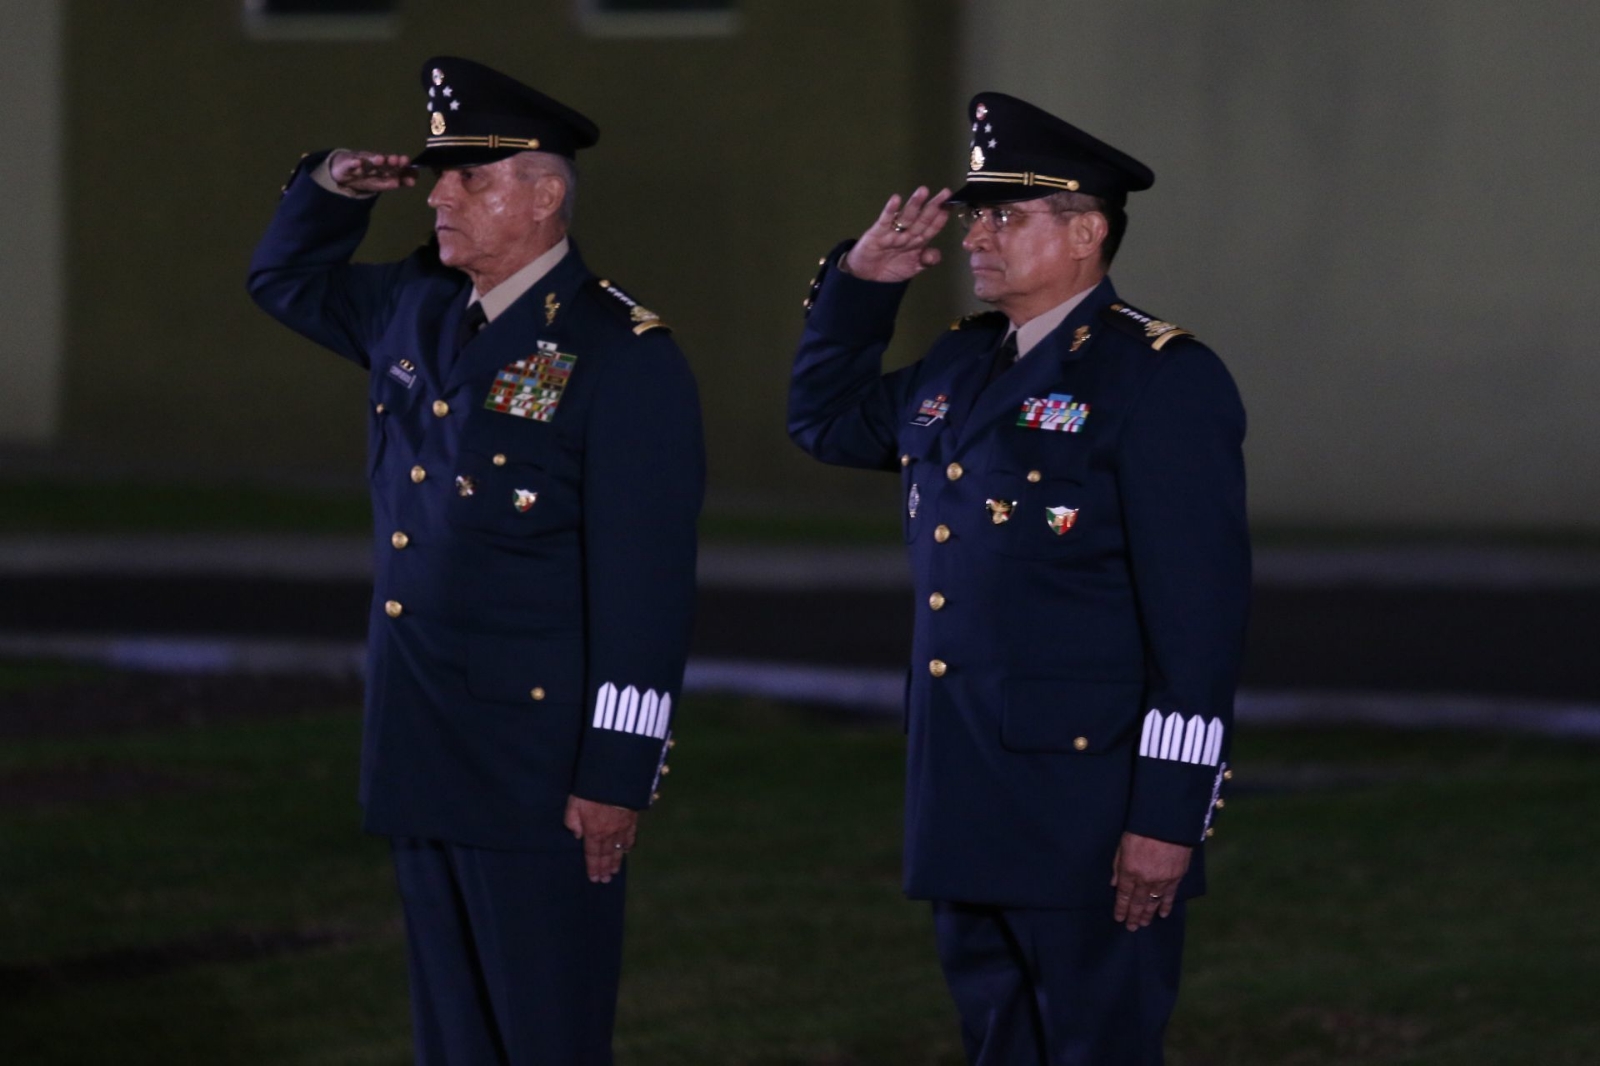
x=1074 y=505
x=537 y=470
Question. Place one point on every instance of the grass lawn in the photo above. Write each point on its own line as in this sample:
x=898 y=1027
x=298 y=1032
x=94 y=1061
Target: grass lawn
x=1377 y=898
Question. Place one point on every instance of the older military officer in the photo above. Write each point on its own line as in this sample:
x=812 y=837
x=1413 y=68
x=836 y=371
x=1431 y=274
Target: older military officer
x=1073 y=502
x=536 y=471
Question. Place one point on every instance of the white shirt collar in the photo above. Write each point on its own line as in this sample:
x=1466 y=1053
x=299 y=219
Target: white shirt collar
x=503 y=295
x=1031 y=332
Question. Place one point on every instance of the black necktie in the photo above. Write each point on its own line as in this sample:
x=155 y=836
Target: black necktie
x=471 y=322
x=1004 y=356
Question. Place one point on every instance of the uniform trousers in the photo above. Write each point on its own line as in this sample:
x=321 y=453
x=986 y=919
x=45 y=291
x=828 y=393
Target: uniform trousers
x=514 y=956
x=1059 y=987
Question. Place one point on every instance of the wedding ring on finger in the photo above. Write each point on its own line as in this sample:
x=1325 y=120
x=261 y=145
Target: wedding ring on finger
x=1155 y=895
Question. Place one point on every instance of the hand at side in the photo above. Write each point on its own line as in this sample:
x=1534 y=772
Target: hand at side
x=1146 y=873
x=607 y=833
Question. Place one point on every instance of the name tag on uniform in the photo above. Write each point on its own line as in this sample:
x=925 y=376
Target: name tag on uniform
x=931 y=411
x=402 y=375
x=1056 y=413
x=532 y=387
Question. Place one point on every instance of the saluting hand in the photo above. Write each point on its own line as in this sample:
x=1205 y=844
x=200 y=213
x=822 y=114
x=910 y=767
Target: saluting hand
x=1146 y=873
x=607 y=833
x=896 y=248
x=368 y=172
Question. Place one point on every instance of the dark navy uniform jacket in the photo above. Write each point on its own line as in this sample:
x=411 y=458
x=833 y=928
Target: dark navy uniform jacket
x=534 y=560
x=1081 y=560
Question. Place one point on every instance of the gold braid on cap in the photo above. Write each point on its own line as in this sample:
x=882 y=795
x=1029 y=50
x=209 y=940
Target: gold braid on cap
x=493 y=140
x=1024 y=177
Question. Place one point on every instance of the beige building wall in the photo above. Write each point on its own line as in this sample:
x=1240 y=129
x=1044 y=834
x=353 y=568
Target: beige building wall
x=727 y=164
x=31 y=233
x=1381 y=212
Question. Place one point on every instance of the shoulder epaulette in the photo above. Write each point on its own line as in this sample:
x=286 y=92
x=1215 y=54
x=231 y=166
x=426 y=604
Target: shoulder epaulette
x=978 y=319
x=639 y=318
x=1135 y=322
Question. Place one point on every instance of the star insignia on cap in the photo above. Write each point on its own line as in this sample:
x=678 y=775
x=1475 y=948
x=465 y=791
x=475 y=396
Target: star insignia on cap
x=449 y=91
x=988 y=127
x=992 y=142
x=455 y=105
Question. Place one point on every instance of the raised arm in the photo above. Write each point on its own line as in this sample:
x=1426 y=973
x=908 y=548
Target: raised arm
x=301 y=272
x=842 y=408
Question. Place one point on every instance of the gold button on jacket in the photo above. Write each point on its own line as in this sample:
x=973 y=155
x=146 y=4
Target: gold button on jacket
x=441 y=408
x=937 y=668
x=954 y=471
x=537 y=693
x=418 y=474
x=936 y=601
x=399 y=539
x=941 y=532
x=393 y=608
x=1081 y=744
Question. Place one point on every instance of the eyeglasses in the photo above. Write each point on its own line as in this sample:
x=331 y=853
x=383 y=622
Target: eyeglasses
x=995 y=219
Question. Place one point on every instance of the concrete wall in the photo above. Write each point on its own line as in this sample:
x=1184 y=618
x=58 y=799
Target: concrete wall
x=1381 y=213
x=31 y=235
x=727 y=165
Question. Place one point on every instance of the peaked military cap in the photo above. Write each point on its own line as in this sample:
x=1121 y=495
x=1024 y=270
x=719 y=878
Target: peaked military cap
x=1021 y=152
x=478 y=115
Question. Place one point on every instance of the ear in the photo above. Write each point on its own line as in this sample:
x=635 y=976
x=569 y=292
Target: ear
x=1088 y=232
x=548 y=192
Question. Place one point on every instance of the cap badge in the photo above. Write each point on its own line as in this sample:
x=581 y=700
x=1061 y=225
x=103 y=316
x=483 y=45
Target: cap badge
x=1000 y=510
x=438 y=76
x=977 y=157
x=436 y=124
x=980 y=113
x=1060 y=519
x=522 y=499
x=1080 y=337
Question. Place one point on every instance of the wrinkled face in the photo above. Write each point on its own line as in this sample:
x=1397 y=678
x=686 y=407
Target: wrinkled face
x=1031 y=254
x=485 y=216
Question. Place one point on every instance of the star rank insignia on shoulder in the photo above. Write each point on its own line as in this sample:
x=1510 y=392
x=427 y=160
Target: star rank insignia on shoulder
x=1134 y=322
x=639 y=318
x=979 y=320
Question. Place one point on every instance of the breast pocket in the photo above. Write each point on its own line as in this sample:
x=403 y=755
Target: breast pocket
x=389 y=402
x=518 y=481
x=919 y=473
x=1034 y=489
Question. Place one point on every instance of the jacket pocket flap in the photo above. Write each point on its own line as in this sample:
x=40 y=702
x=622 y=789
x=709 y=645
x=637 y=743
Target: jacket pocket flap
x=530 y=670
x=1068 y=714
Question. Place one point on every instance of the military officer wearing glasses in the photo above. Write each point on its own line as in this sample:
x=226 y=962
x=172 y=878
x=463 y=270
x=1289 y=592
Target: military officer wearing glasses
x=1074 y=506
x=536 y=472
